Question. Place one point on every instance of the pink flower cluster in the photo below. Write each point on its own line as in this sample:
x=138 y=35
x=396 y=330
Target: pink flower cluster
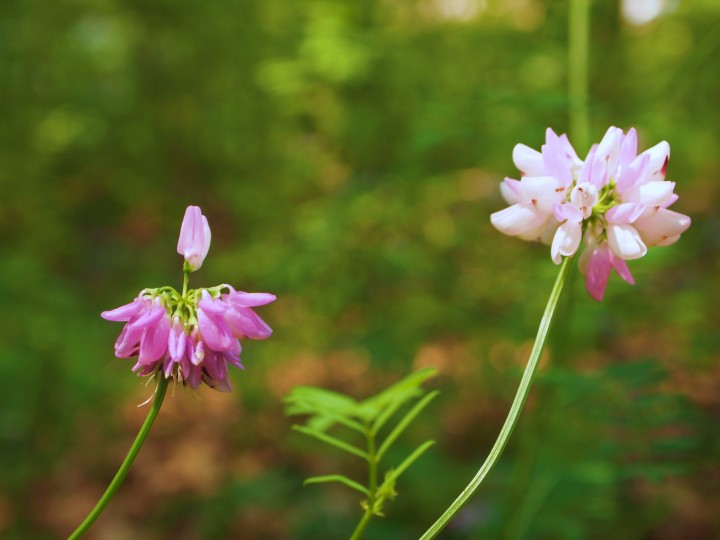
x=192 y=336
x=618 y=198
x=197 y=342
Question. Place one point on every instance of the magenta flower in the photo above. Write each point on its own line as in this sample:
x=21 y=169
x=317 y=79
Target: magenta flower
x=193 y=336
x=596 y=262
x=619 y=198
x=146 y=333
x=194 y=241
x=199 y=341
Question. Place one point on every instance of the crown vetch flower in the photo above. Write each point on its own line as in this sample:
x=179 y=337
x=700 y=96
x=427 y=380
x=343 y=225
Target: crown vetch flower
x=618 y=198
x=194 y=241
x=193 y=336
x=190 y=338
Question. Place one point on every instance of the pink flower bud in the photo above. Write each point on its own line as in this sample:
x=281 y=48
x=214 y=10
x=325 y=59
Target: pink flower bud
x=194 y=241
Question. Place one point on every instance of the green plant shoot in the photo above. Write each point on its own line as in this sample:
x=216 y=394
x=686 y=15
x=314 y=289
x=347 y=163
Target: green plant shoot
x=367 y=430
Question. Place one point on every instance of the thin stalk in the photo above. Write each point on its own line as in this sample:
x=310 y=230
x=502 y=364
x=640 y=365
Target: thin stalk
x=515 y=409
x=372 y=485
x=360 y=529
x=127 y=463
x=578 y=46
x=186 y=279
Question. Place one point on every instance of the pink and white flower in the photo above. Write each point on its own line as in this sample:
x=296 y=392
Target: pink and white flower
x=546 y=177
x=619 y=198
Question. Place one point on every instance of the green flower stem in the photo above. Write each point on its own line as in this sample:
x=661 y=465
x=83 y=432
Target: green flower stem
x=515 y=410
x=127 y=463
x=360 y=529
x=578 y=46
x=372 y=485
x=186 y=279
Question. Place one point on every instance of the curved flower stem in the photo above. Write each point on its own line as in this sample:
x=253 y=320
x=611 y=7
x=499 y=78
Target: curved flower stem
x=515 y=409
x=127 y=463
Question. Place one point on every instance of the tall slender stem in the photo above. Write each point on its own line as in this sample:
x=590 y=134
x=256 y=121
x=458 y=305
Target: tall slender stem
x=515 y=409
x=127 y=463
x=578 y=47
x=372 y=485
x=362 y=525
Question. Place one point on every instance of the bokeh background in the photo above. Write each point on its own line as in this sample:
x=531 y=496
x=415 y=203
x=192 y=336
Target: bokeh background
x=348 y=155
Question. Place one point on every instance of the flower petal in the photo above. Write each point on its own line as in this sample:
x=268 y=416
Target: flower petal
x=517 y=219
x=177 y=341
x=511 y=191
x=659 y=157
x=541 y=187
x=150 y=317
x=215 y=365
x=625 y=241
x=245 y=323
x=569 y=212
x=245 y=299
x=633 y=174
x=663 y=227
x=628 y=148
x=222 y=385
x=154 y=343
x=556 y=162
x=621 y=268
x=654 y=193
x=593 y=171
x=128 y=342
x=566 y=241
x=528 y=161
x=597 y=272
x=233 y=357
x=624 y=213
x=215 y=331
x=126 y=312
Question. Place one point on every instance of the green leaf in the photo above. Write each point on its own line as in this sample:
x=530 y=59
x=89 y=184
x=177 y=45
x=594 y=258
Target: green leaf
x=329 y=439
x=386 y=414
x=311 y=400
x=338 y=478
x=324 y=421
x=394 y=474
x=395 y=395
x=403 y=424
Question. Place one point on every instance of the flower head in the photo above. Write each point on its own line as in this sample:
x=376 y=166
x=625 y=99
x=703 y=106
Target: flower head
x=190 y=336
x=194 y=241
x=616 y=198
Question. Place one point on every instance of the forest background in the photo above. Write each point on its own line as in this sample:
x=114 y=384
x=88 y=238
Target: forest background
x=348 y=155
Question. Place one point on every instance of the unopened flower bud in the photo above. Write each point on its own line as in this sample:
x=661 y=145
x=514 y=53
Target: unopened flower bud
x=194 y=241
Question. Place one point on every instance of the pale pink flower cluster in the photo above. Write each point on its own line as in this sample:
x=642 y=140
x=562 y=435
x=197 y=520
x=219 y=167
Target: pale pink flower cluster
x=192 y=336
x=618 y=198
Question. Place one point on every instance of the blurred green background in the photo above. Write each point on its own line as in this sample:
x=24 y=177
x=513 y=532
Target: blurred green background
x=347 y=155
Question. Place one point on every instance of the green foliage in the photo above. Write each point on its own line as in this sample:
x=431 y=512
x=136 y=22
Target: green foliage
x=348 y=155
x=367 y=418
x=588 y=437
